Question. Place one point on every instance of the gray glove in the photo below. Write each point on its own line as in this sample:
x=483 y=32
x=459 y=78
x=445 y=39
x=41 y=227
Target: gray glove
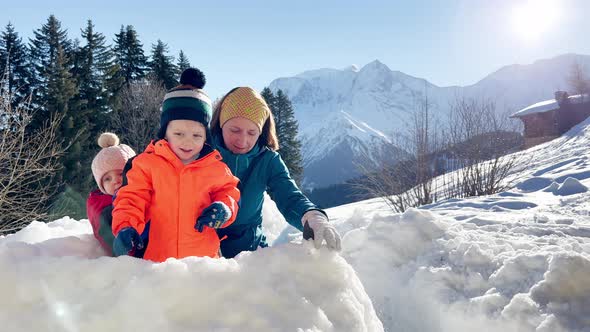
x=317 y=227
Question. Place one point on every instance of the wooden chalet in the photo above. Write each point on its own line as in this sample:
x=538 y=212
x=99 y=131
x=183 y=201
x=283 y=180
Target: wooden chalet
x=549 y=119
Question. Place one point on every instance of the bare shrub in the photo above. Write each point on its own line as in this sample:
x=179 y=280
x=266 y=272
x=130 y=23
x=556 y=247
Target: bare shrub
x=29 y=162
x=387 y=181
x=479 y=141
x=408 y=180
x=578 y=80
x=137 y=122
x=473 y=155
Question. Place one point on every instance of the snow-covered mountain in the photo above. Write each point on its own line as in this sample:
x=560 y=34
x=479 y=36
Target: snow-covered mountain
x=345 y=115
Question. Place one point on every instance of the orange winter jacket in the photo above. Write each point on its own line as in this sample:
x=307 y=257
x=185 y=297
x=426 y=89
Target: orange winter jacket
x=158 y=187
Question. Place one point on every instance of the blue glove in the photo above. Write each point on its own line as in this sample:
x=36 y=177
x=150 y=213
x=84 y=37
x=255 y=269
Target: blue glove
x=214 y=216
x=128 y=242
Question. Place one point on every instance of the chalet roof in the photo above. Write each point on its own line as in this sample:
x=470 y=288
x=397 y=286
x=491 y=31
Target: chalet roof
x=549 y=105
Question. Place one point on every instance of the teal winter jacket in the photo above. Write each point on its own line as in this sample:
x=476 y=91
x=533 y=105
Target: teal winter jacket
x=259 y=170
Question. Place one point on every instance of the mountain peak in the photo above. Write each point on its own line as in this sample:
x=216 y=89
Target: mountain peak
x=557 y=67
x=376 y=64
x=342 y=113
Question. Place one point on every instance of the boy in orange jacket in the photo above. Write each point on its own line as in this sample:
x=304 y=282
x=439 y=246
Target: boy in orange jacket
x=179 y=183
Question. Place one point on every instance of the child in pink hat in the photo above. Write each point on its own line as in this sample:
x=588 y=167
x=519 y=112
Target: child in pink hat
x=107 y=169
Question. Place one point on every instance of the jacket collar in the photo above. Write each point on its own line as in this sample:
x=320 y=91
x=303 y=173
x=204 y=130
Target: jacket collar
x=220 y=145
x=238 y=163
x=162 y=148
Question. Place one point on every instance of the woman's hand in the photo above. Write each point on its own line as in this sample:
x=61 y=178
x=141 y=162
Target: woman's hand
x=321 y=230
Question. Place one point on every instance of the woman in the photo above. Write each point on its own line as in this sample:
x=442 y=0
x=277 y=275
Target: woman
x=243 y=130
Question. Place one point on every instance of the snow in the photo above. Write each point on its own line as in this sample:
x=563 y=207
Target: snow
x=515 y=261
x=63 y=284
x=548 y=105
x=333 y=129
x=570 y=186
x=540 y=107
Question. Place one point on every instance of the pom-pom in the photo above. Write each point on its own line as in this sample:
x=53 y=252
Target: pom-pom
x=194 y=77
x=108 y=139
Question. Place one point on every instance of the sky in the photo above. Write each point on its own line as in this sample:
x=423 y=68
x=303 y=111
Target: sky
x=516 y=261
x=252 y=43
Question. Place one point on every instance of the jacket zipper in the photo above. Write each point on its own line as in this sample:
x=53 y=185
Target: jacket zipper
x=237 y=164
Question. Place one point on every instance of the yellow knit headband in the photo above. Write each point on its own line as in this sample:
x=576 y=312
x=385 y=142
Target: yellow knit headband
x=244 y=102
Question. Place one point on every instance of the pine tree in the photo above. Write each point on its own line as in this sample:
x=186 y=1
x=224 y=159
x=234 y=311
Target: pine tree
x=44 y=52
x=270 y=98
x=92 y=71
x=97 y=63
x=13 y=64
x=119 y=48
x=183 y=63
x=61 y=87
x=129 y=53
x=287 y=128
x=54 y=91
x=76 y=67
x=162 y=65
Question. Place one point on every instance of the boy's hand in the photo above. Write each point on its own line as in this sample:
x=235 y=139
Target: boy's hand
x=214 y=216
x=128 y=242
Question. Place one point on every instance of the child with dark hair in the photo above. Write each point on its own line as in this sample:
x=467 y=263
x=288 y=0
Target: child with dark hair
x=179 y=184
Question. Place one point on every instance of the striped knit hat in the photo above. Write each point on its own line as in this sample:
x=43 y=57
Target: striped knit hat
x=247 y=103
x=186 y=102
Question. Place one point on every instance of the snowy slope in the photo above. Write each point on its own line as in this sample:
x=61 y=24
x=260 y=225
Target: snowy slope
x=518 y=260
x=515 y=261
x=326 y=99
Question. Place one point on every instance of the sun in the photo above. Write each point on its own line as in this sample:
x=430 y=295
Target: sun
x=534 y=18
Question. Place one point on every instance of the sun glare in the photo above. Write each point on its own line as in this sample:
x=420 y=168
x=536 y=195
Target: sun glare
x=532 y=19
